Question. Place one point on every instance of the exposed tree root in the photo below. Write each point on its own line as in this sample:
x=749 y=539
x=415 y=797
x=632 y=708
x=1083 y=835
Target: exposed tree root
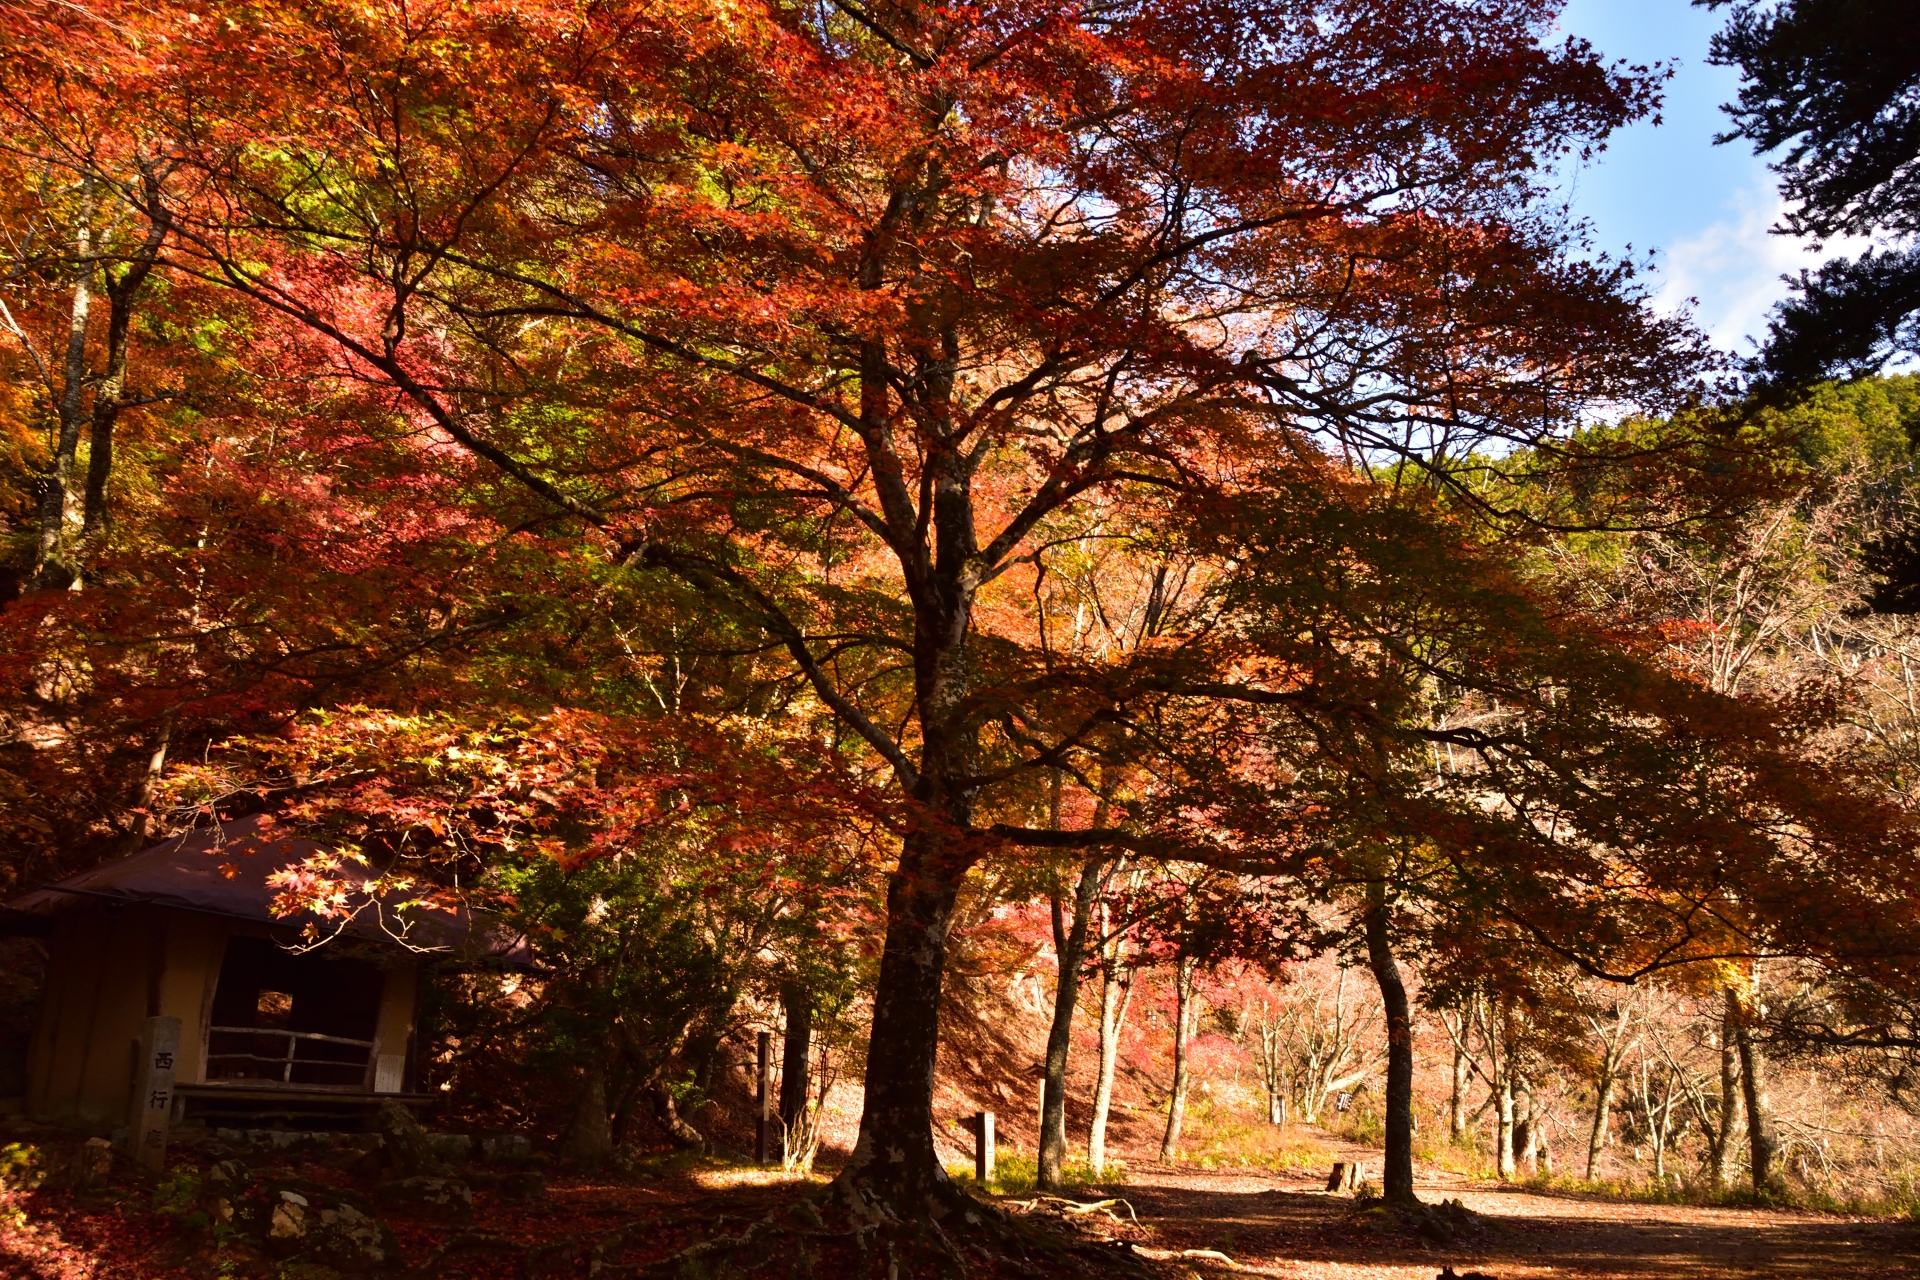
x=1075 y=1207
x=1446 y=1222
x=847 y=1232
x=1048 y=1238
x=1213 y=1257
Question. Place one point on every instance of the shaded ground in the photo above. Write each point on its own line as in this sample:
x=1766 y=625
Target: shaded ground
x=1285 y=1225
x=1272 y=1224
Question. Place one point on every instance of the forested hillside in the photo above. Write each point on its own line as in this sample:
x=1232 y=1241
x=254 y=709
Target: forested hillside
x=1121 y=566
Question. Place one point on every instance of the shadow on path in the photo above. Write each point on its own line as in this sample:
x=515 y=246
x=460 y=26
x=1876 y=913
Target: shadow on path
x=1283 y=1225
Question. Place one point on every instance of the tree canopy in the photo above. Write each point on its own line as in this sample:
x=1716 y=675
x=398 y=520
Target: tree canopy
x=766 y=463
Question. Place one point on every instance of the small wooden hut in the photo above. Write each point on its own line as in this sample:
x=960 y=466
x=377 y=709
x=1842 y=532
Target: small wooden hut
x=266 y=1030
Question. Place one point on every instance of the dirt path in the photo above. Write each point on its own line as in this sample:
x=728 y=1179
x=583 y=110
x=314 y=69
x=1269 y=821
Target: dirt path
x=1286 y=1225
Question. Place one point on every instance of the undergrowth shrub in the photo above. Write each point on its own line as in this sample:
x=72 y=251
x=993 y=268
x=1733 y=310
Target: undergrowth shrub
x=1224 y=1138
x=1018 y=1175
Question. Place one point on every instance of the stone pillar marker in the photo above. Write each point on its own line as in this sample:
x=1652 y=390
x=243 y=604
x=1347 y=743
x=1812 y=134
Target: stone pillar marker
x=153 y=1092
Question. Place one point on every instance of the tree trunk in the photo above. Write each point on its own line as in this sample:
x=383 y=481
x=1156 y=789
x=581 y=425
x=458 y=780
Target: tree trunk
x=796 y=1051
x=1721 y=1151
x=110 y=393
x=667 y=1112
x=1753 y=1086
x=1602 y=1113
x=1661 y=1131
x=1503 y=1139
x=57 y=566
x=1069 y=946
x=1527 y=1137
x=1397 y=1176
x=107 y=396
x=1115 y=997
x=894 y=1158
x=590 y=1138
x=1182 y=1029
x=1457 y=1103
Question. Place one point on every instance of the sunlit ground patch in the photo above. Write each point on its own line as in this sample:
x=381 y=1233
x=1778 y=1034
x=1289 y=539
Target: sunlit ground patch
x=726 y=1178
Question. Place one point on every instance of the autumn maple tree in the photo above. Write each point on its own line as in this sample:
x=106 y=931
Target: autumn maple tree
x=839 y=326
x=836 y=314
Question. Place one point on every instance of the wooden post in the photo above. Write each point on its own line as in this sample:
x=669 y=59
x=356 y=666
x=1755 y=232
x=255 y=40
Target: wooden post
x=763 y=1095
x=983 y=1148
x=153 y=1092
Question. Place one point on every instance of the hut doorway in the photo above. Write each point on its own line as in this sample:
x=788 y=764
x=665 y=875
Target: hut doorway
x=295 y=1020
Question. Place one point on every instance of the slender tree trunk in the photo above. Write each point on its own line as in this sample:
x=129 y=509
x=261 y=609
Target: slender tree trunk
x=110 y=393
x=1503 y=1141
x=1115 y=997
x=1182 y=1029
x=1602 y=1113
x=796 y=1050
x=1530 y=1143
x=107 y=396
x=1457 y=1103
x=1277 y=1089
x=1070 y=946
x=143 y=826
x=1661 y=1131
x=1721 y=1151
x=1397 y=1177
x=590 y=1137
x=1753 y=1086
x=58 y=566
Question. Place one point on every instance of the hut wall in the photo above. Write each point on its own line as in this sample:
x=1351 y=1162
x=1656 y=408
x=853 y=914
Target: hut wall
x=107 y=972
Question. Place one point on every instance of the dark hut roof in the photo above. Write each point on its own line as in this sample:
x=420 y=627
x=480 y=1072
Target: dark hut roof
x=223 y=870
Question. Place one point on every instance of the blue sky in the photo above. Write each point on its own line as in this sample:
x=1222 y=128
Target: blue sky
x=1704 y=209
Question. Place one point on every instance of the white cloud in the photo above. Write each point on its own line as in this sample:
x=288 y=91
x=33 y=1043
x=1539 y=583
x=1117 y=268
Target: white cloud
x=1728 y=274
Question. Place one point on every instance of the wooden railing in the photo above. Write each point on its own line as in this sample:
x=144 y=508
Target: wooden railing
x=343 y=1070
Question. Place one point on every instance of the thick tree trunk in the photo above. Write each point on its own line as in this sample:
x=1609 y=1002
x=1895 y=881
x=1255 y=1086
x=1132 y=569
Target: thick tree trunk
x=1527 y=1134
x=1115 y=997
x=1182 y=1030
x=796 y=1051
x=894 y=1159
x=590 y=1137
x=1720 y=1154
x=1069 y=945
x=1602 y=1113
x=1503 y=1135
x=1753 y=1088
x=1397 y=1177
